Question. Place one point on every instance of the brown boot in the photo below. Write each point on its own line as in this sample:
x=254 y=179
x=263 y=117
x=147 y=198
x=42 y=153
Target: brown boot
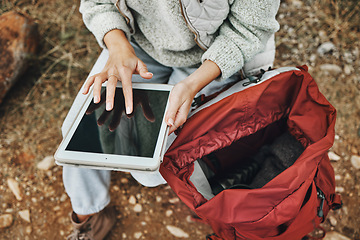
x=95 y=227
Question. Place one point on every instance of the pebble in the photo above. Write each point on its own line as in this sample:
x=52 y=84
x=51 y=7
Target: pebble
x=63 y=197
x=339 y=189
x=338 y=177
x=335 y=236
x=331 y=68
x=177 y=232
x=332 y=220
x=137 y=235
x=14 y=187
x=348 y=69
x=25 y=215
x=116 y=188
x=174 y=200
x=6 y=220
x=168 y=213
x=47 y=163
x=326 y=47
x=124 y=180
x=56 y=208
x=158 y=198
x=137 y=208
x=28 y=229
x=333 y=156
x=355 y=161
x=132 y=200
x=189 y=219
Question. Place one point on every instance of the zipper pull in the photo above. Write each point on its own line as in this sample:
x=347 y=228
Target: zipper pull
x=198 y=100
x=320 y=195
x=252 y=79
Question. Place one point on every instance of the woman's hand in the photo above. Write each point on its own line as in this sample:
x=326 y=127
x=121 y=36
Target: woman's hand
x=183 y=93
x=120 y=66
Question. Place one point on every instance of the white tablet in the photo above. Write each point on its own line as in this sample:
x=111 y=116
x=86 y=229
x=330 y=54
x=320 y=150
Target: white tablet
x=113 y=140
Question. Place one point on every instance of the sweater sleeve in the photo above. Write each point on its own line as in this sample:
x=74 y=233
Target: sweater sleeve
x=101 y=17
x=243 y=34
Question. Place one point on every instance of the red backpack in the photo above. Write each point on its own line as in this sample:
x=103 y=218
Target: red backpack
x=235 y=125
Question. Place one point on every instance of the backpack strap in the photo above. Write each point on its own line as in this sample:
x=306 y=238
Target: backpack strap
x=213 y=236
x=336 y=202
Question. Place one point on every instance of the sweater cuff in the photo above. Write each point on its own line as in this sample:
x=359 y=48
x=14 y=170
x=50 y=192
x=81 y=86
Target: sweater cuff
x=100 y=25
x=227 y=55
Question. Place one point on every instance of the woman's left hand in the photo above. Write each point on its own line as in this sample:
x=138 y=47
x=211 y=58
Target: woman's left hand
x=183 y=93
x=180 y=100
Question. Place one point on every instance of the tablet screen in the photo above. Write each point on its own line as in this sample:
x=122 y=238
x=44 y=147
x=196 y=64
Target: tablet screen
x=114 y=132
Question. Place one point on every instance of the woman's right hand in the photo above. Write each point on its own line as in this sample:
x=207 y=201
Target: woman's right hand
x=120 y=66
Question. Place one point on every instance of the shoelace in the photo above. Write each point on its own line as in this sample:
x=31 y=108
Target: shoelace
x=81 y=234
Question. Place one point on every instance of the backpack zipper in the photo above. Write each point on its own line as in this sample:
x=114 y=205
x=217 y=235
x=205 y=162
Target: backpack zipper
x=320 y=195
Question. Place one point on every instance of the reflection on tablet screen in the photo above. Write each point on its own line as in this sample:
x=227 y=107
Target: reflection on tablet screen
x=113 y=132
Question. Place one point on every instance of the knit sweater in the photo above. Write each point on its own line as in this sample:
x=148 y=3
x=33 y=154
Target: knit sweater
x=161 y=31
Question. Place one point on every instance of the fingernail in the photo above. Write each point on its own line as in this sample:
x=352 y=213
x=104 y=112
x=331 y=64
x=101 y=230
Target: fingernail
x=128 y=110
x=96 y=99
x=149 y=73
x=171 y=122
x=108 y=106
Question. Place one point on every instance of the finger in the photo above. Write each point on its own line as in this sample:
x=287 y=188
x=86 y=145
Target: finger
x=110 y=92
x=99 y=79
x=143 y=70
x=125 y=75
x=93 y=106
x=88 y=84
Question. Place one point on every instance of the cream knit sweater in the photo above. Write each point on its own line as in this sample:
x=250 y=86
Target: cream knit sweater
x=161 y=31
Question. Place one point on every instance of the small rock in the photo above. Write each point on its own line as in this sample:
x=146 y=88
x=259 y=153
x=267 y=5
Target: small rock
x=137 y=208
x=9 y=210
x=47 y=163
x=326 y=47
x=174 y=200
x=297 y=3
x=25 y=214
x=333 y=156
x=339 y=189
x=337 y=177
x=355 y=161
x=124 y=180
x=6 y=220
x=331 y=68
x=63 y=197
x=158 y=198
x=332 y=220
x=137 y=235
x=335 y=236
x=132 y=200
x=189 y=219
x=28 y=229
x=56 y=208
x=177 y=232
x=116 y=188
x=168 y=213
x=348 y=69
x=14 y=187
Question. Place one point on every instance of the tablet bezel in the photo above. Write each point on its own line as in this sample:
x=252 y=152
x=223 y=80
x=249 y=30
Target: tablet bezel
x=113 y=161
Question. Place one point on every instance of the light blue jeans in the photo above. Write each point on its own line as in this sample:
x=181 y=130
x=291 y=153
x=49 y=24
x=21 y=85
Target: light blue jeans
x=88 y=189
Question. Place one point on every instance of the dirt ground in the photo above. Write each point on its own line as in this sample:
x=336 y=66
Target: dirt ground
x=33 y=111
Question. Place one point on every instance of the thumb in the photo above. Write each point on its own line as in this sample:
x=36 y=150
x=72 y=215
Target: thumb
x=142 y=70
